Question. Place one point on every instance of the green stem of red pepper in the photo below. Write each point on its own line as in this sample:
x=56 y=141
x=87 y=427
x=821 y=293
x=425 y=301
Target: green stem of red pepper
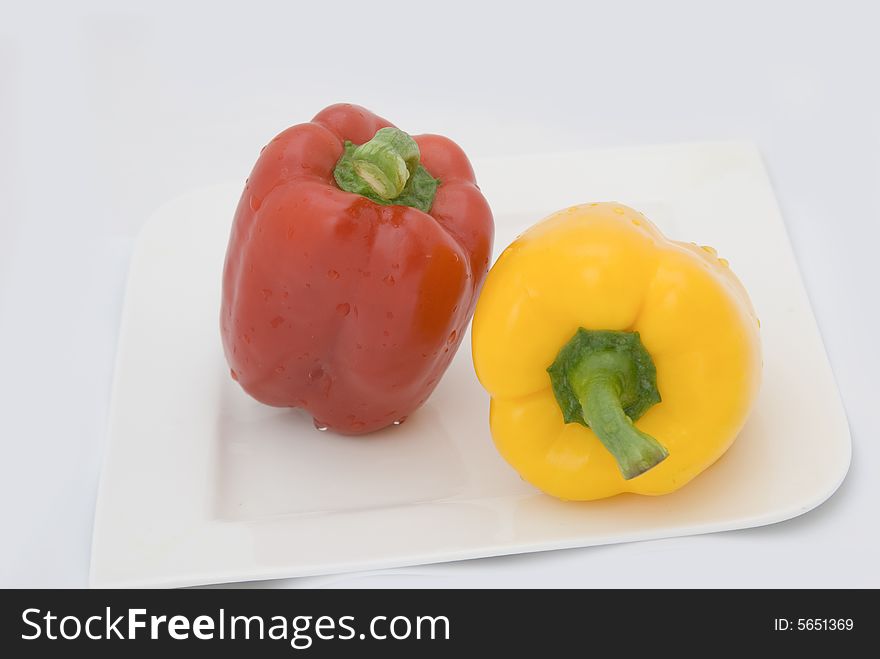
x=387 y=170
x=606 y=380
x=387 y=161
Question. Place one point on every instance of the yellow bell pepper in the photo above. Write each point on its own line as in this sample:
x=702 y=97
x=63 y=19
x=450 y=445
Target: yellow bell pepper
x=617 y=360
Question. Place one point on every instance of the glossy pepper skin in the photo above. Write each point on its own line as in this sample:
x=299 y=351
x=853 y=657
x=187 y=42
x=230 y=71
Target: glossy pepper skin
x=602 y=273
x=346 y=306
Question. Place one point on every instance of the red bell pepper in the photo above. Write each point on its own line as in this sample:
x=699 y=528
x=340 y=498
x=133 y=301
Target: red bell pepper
x=353 y=267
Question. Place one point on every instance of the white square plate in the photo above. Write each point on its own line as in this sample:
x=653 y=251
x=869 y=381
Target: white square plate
x=202 y=484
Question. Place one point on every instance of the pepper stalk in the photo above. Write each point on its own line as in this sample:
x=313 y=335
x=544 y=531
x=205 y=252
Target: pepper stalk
x=387 y=169
x=605 y=380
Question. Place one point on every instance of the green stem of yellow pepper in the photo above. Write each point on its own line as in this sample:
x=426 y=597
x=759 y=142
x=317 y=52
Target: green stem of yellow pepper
x=635 y=451
x=605 y=380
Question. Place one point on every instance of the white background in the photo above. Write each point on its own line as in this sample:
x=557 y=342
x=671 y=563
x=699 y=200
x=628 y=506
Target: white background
x=107 y=110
